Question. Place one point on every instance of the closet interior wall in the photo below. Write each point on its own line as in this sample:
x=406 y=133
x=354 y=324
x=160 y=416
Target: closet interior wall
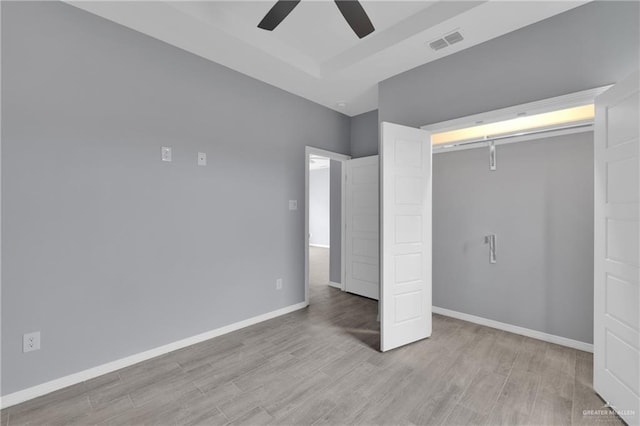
x=539 y=204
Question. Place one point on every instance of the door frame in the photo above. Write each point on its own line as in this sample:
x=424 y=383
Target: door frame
x=308 y=152
x=535 y=107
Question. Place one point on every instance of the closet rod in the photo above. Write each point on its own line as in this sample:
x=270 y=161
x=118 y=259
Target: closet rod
x=515 y=135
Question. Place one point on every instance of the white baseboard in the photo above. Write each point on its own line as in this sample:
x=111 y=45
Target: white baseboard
x=551 y=338
x=336 y=285
x=72 y=379
x=319 y=245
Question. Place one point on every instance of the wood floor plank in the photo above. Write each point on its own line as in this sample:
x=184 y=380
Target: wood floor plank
x=345 y=408
x=58 y=413
x=307 y=413
x=165 y=391
x=199 y=410
x=551 y=409
x=222 y=394
x=503 y=353
x=103 y=414
x=269 y=371
x=243 y=403
x=104 y=395
x=515 y=403
x=463 y=416
x=257 y=416
x=4 y=417
x=588 y=407
x=584 y=368
x=530 y=355
x=437 y=405
x=483 y=392
x=558 y=371
x=100 y=381
x=49 y=400
x=229 y=368
x=288 y=399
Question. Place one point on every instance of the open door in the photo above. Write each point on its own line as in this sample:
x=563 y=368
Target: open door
x=405 y=236
x=362 y=227
x=616 y=358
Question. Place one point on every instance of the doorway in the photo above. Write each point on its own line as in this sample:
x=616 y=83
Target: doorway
x=333 y=304
x=324 y=219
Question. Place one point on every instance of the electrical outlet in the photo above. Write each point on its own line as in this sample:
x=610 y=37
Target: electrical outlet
x=293 y=204
x=31 y=342
x=279 y=284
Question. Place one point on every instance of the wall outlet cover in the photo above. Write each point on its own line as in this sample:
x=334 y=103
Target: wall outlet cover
x=31 y=342
x=293 y=204
x=279 y=284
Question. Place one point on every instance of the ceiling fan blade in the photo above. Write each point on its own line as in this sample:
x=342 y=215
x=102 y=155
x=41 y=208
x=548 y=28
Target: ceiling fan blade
x=278 y=12
x=356 y=17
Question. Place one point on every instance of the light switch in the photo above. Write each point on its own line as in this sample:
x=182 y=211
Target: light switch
x=293 y=204
x=166 y=153
x=202 y=159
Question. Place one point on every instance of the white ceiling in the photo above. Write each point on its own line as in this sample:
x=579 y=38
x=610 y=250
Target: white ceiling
x=313 y=53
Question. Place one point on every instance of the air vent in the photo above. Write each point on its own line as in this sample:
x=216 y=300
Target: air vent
x=446 y=40
x=438 y=44
x=453 y=38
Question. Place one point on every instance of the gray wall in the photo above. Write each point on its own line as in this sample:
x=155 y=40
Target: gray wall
x=539 y=203
x=319 y=207
x=593 y=45
x=364 y=134
x=335 y=254
x=107 y=250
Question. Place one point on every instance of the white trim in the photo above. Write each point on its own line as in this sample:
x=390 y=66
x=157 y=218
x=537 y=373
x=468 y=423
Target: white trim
x=308 y=151
x=551 y=338
x=514 y=139
x=72 y=379
x=336 y=285
x=537 y=107
x=319 y=245
x=343 y=228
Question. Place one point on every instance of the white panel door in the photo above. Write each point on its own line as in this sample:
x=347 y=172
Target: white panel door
x=616 y=355
x=363 y=227
x=406 y=235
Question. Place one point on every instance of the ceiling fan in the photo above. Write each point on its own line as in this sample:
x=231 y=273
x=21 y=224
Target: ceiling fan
x=352 y=11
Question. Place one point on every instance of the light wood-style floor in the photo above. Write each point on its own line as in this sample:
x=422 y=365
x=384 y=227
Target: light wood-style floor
x=321 y=365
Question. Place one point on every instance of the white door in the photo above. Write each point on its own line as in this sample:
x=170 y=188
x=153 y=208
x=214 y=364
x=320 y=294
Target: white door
x=406 y=235
x=616 y=357
x=362 y=227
